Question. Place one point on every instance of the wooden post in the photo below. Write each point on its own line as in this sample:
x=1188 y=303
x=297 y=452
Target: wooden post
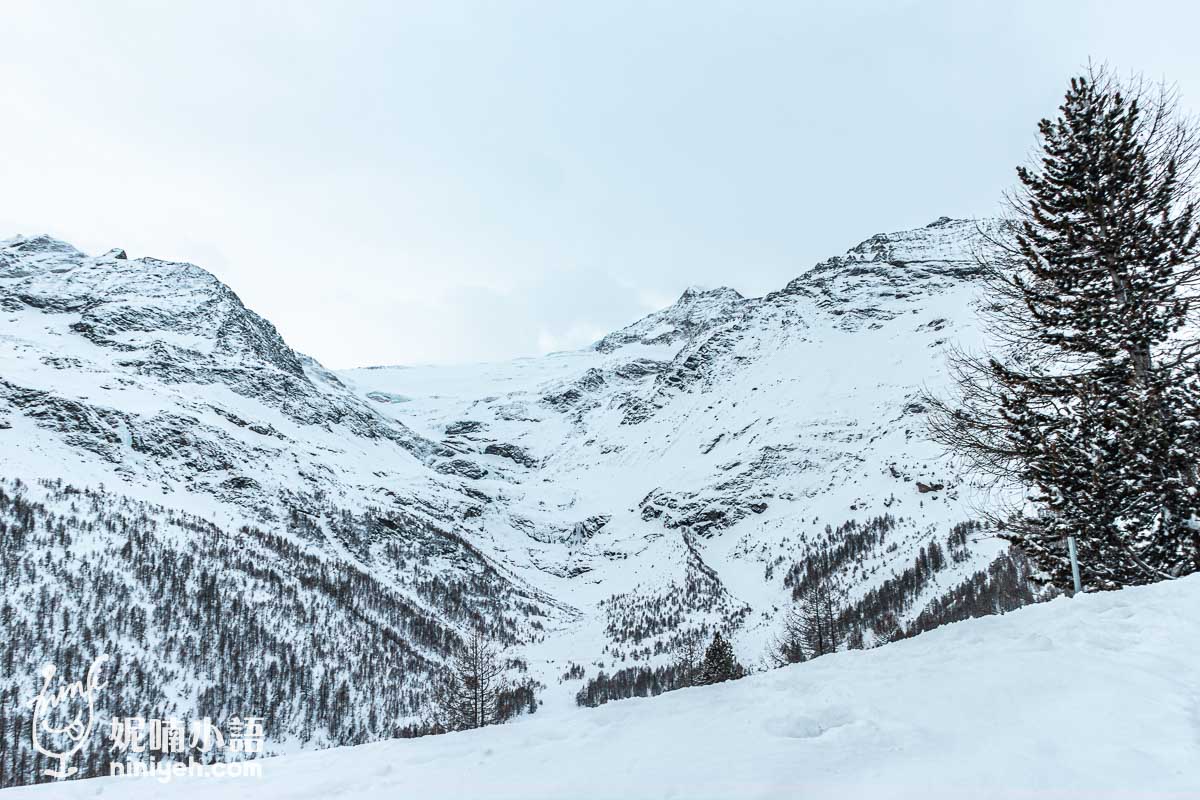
x=1074 y=564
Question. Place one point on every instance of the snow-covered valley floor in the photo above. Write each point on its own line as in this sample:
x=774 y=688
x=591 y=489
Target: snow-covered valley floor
x=1096 y=697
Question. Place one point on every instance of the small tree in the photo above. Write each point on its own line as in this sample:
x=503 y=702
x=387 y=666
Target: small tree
x=720 y=664
x=818 y=622
x=788 y=647
x=689 y=665
x=468 y=693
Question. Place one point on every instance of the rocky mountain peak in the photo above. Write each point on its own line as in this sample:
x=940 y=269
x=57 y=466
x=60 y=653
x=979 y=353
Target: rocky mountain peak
x=899 y=264
x=697 y=309
x=694 y=294
x=41 y=243
x=169 y=360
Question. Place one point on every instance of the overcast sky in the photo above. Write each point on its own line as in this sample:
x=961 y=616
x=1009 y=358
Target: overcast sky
x=443 y=181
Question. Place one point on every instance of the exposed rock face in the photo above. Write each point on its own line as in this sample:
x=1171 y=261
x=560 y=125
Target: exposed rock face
x=463 y=468
x=583 y=531
x=463 y=427
x=512 y=453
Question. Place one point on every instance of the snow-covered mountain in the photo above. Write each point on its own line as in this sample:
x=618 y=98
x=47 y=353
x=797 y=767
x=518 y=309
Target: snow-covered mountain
x=698 y=464
x=689 y=472
x=167 y=459
x=1077 y=698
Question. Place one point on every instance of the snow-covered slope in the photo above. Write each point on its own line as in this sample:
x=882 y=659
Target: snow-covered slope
x=1095 y=697
x=689 y=472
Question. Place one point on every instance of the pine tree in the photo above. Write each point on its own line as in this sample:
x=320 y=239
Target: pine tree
x=1092 y=401
x=720 y=664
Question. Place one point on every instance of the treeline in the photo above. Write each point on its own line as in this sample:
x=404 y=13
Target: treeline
x=633 y=682
x=1004 y=586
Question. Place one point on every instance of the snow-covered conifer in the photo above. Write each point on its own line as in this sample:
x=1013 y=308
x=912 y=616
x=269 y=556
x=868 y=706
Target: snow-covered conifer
x=1089 y=397
x=720 y=663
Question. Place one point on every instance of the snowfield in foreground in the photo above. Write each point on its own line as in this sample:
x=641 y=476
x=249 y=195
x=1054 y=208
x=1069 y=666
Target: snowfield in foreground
x=1097 y=697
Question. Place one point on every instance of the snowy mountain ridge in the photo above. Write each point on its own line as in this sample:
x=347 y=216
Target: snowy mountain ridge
x=688 y=473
